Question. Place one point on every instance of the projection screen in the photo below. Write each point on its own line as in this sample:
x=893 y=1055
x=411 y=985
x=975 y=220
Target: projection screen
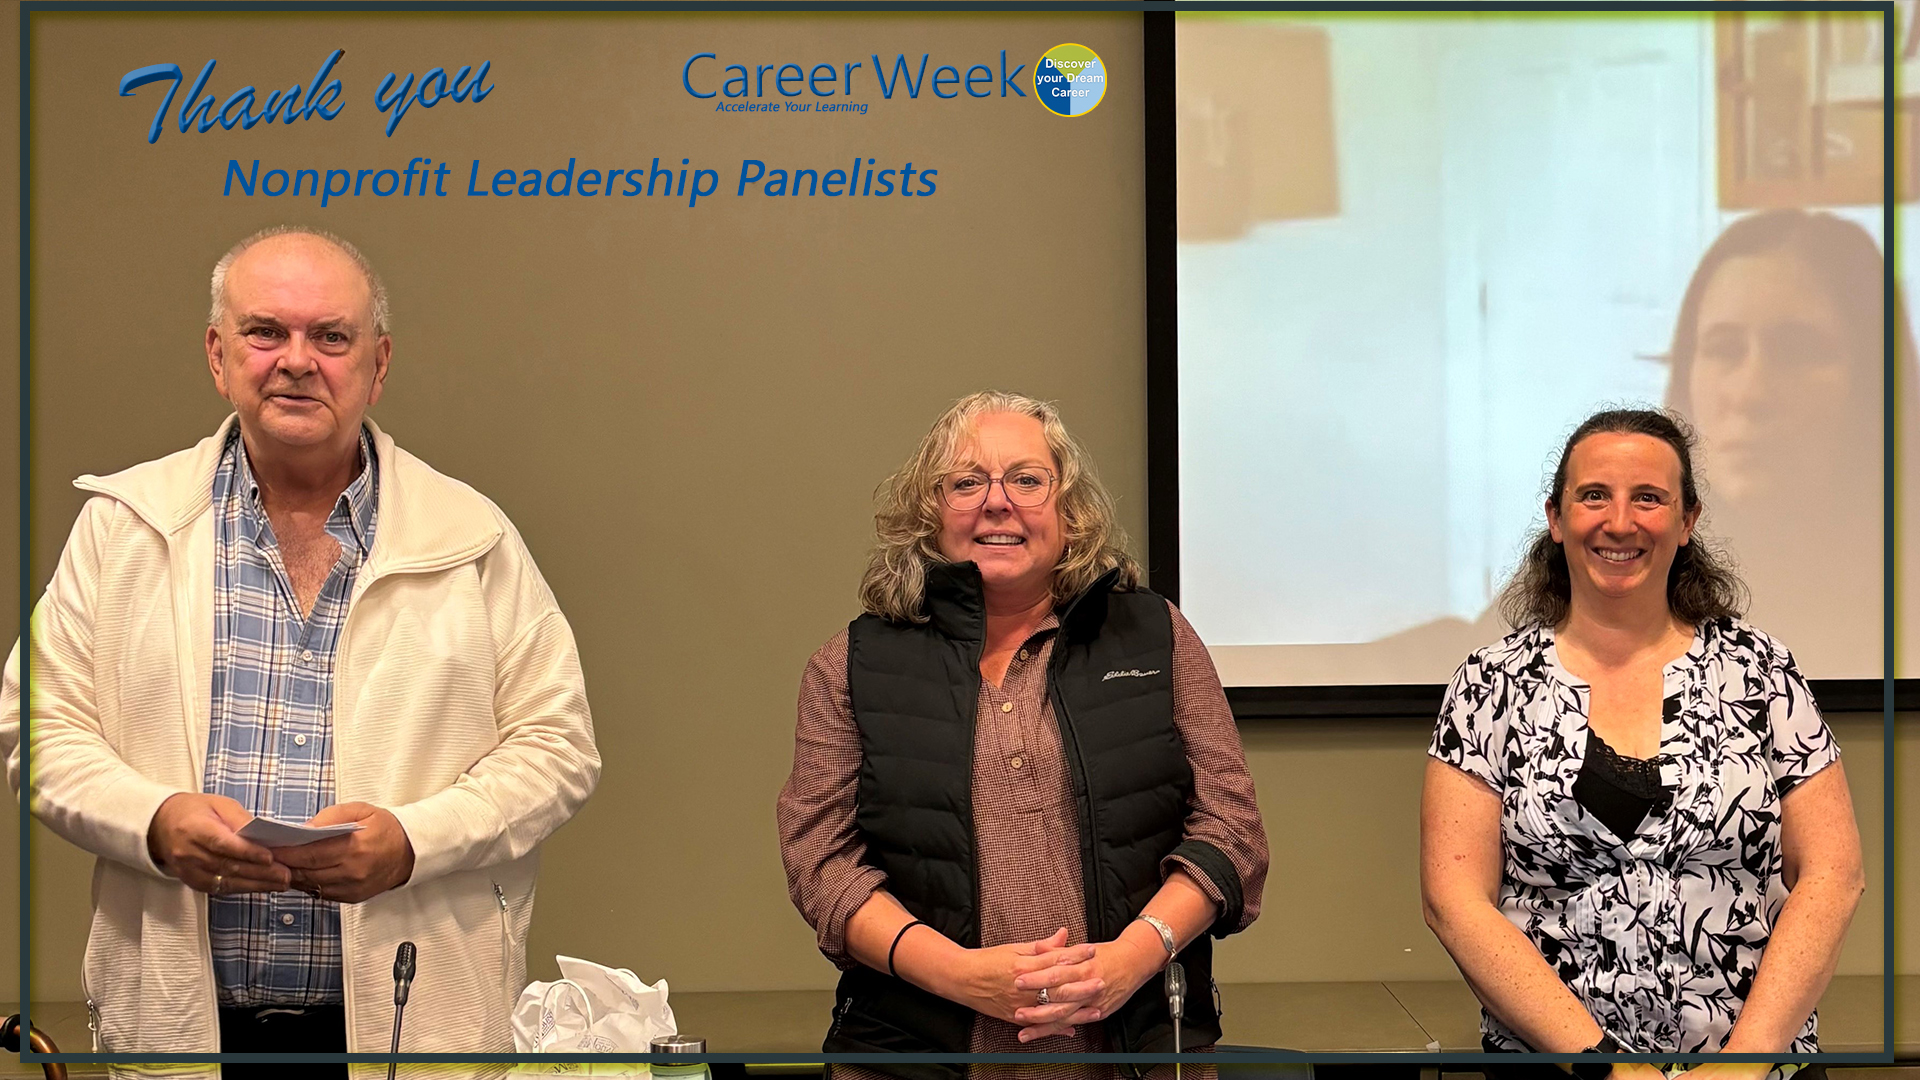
x=1414 y=251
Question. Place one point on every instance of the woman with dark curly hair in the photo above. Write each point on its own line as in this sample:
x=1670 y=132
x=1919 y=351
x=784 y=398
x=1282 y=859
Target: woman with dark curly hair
x=1636 y=835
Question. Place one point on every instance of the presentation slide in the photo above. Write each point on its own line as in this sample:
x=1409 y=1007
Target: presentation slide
x=1414 y=252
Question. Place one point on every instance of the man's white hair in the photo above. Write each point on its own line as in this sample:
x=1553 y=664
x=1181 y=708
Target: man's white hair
x=375 y=287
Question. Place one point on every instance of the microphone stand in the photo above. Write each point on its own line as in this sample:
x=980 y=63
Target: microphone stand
x=403 y=965
x=391 y=1064
x=1176 y=1005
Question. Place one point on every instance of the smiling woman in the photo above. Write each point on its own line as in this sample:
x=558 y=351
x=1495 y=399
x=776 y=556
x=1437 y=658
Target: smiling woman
x=1698 y=584
x=988 y=879
x=1636 y=835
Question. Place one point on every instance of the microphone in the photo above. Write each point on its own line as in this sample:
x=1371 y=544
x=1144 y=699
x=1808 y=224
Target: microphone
x=1176 y=1004
x=403 y=964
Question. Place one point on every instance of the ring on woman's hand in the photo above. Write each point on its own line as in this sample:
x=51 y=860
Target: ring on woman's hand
x=219 y=884
x=1043 y=996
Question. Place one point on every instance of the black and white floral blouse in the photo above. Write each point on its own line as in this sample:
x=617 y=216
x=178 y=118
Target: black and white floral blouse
x=1660 y=933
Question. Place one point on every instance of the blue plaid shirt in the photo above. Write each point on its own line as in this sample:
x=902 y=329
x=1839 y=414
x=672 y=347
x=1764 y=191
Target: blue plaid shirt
x=270 y=746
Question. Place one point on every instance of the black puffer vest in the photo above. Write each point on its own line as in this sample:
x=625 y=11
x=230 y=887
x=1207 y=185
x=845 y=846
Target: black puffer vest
x=914 y=691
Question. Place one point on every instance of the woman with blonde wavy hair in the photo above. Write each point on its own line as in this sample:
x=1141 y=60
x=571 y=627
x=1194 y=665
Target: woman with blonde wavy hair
x=1017 y=788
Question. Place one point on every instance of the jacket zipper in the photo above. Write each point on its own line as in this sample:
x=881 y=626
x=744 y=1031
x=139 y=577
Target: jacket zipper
x=1096 y=893
x=340 y=656
x=93 y=1013
x=506 y=947
x=839 y=1016
x=1096 y=903
x=973 y=732
x=206 y=950
x=1091 y=871
x=1096 y=896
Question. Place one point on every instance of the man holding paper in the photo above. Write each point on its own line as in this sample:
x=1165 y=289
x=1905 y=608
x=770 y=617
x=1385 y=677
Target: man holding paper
x=297 y=622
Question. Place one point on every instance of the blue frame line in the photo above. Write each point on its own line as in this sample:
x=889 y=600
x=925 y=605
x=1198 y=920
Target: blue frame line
x=1890 y=507
x=25 y=612
x=1331 y=7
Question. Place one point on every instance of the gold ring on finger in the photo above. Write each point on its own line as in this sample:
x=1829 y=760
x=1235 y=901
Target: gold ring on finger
x=219 y=884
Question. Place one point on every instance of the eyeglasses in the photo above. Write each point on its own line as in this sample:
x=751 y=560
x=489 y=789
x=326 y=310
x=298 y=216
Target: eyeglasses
x=1028 y=487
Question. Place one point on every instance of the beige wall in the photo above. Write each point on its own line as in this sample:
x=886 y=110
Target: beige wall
x=597 y=370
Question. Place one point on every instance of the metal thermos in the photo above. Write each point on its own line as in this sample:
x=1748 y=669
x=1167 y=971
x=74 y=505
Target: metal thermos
x=679 y=1044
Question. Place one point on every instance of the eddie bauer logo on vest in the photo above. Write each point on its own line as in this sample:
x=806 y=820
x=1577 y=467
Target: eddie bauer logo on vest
x=1131 y=673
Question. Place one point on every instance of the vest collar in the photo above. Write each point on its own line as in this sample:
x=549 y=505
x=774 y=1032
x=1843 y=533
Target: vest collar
x=954 y=602
x=1084 y=615
x=957 y=608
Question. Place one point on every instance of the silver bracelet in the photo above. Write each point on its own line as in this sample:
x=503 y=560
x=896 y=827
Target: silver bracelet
x=1160 y=927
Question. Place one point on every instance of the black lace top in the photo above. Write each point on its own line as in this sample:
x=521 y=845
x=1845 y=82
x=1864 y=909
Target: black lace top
x=1620 y=791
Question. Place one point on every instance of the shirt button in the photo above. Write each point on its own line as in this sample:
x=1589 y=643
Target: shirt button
x=1007 y=707
x=306 y=656
x=299 y=740
x=1017 y=761
x=1021 y=655
x=286 y=920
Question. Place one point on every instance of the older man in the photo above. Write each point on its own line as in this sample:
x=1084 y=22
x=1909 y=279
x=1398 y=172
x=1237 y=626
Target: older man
x=298 y=620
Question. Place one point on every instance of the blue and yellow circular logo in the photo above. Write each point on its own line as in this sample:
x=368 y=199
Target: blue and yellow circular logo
x=1070 y=80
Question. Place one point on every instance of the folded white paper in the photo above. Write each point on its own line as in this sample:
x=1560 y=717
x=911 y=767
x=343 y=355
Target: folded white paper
x=270 y=833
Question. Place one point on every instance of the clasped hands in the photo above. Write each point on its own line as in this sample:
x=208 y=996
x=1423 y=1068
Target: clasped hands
x=195 y=838
x=1084 y=983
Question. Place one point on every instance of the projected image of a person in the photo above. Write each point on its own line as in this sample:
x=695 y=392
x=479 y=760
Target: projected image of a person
x=1017 y=788
x=1636 y=834
x=1778 y=360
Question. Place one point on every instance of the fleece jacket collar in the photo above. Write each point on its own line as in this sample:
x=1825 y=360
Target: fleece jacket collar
x=427 y=521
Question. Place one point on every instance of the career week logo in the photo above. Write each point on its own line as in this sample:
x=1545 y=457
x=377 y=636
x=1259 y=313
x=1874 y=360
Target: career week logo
x=1070 y=80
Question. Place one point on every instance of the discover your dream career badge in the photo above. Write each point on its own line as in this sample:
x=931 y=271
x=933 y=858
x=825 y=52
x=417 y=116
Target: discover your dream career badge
x=1070 y=80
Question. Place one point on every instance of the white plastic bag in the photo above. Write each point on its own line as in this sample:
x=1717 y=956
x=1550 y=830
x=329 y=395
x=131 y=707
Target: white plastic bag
x=591 y=1009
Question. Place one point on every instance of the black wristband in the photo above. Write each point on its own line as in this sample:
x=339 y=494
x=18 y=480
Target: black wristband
x=896 y=945
x=1596 y=1070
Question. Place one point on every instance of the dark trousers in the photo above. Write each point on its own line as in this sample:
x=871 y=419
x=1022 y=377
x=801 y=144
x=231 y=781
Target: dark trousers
x=315 y=1029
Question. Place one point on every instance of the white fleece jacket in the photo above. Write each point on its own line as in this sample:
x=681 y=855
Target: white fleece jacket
x=458 y=705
